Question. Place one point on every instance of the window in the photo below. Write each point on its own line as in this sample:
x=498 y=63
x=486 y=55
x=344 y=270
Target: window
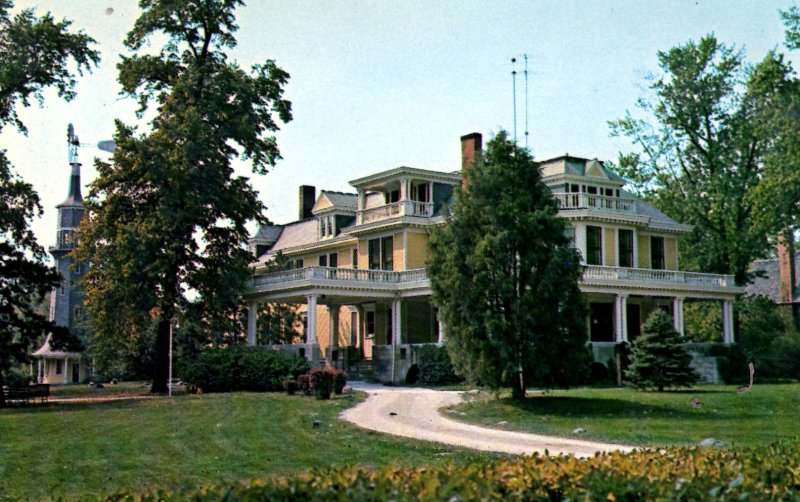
x=594 y=247
x=59 y=366
x=387 y=253
x=298 y=264
x=657 y=253
x=625 y=248
x=329 y=223
x=371 y=323
x=355 y=258
x=374 y=254
x=381 y=253
x=328 y=260
x=592 y=190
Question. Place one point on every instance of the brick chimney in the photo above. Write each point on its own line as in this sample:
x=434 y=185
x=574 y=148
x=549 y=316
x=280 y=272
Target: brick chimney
x=308 y=196
x=786 y=267
x=471 y=144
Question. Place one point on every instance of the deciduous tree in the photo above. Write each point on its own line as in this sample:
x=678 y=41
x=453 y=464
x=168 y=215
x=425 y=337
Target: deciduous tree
x=35 y=53
x=167 y=215
x=716 y=149
x=504 y=276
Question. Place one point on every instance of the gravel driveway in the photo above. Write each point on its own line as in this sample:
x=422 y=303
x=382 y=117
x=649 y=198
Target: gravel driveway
x=416 y=415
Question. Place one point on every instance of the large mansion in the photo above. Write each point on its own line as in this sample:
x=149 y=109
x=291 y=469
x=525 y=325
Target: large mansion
x=357 y=263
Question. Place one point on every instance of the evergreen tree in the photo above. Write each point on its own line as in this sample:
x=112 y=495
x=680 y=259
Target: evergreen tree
x=658 y=358
x=167 y=217
x=35 y=53
x=504 y=276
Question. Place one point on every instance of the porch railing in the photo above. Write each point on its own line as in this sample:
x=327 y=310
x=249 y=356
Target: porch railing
x=651 y=275
x=396 y=209
x=591 y=272
x=592 y=201
x=340 y=274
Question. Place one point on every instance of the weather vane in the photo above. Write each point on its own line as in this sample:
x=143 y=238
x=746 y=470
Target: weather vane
x=74 y=143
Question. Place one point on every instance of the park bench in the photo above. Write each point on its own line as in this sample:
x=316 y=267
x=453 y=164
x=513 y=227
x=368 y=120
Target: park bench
x=27 y=393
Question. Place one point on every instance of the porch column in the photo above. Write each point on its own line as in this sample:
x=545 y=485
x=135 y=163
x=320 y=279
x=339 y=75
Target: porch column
x=333 y=332
x=397 y=326
x=362 y=204
x=404 y=191
x=311 y=320
x=727 y=322
x=252 y=319
x=677 y=315
x=442 y=334
x=66 y=372
x=620 y=321
x=39 y=370
x=360 y=332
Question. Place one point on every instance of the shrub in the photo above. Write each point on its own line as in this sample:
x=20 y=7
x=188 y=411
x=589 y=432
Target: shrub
x=290 y=386
x=17 y=377
x=435 y=367
x=305 y=384
x=240 y=368
x=731 y=363
x=322 y=382
x=658 y=358
x=339 y=381
x=764 y=473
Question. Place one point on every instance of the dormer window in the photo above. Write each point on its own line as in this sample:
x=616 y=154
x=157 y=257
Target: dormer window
x=327 y=226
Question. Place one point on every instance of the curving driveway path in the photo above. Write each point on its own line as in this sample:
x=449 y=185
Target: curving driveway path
x=416 y=415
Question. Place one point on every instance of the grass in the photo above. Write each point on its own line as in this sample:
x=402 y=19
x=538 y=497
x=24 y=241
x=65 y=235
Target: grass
x=766 y=414
x=79 y=391
x=76 y=450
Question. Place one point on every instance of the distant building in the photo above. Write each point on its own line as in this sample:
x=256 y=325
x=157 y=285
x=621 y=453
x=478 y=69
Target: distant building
x=53 y=366
x=777 y=280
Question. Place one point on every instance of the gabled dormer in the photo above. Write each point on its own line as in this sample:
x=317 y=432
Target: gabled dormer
x=334 y=211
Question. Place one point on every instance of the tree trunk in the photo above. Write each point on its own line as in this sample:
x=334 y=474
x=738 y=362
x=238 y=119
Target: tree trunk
x=518 y=387
x=161 y=360
x=2 y=394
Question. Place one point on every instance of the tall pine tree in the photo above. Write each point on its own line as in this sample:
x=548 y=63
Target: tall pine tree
x=504 y=276
x=167 y=215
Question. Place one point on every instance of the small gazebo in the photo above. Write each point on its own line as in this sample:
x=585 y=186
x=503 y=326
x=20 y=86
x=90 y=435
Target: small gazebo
x=59 y=367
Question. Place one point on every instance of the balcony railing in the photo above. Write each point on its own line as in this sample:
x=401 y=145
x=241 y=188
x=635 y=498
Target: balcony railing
x=396 y=209
x=340 y=274
x=591 y=272
x=598 y=272
x=592 y=201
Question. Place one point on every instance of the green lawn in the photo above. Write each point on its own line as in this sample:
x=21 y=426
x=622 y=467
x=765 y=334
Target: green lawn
x=78 y=449
x=766 y=414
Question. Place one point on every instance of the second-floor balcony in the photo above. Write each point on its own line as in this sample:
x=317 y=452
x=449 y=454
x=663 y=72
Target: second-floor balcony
x=593 y=275
x=595 y=202
x=395 y=210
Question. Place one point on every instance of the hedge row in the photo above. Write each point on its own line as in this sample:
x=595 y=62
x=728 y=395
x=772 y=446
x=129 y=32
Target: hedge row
x=765 y=473
x=257 y=369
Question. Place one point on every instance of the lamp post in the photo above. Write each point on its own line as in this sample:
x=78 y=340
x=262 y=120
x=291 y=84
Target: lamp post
x=169 y=382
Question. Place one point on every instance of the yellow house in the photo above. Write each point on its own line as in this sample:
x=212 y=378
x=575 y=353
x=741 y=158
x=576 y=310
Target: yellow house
x=358 y=263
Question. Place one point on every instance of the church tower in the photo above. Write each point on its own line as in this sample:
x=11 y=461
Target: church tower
x=67 y=300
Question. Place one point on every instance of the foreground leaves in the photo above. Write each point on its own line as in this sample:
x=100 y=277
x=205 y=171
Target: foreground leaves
x=767 y=473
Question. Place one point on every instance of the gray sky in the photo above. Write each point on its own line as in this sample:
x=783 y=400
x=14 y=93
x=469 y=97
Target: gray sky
x=377 y=84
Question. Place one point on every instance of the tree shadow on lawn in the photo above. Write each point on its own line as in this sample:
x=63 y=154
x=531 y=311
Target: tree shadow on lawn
x=61 y=407
x=601 y=408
